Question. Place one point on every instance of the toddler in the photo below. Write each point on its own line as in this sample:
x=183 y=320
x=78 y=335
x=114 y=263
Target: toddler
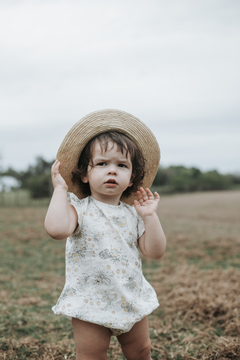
x=107 y=162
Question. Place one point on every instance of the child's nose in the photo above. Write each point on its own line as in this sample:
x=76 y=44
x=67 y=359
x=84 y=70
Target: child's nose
x=112 y=170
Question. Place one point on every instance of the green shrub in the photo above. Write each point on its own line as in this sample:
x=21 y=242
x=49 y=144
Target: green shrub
x=40 y=186
x=180 y=179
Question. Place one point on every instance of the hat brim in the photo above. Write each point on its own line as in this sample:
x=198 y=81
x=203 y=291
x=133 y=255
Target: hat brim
x=101 y=121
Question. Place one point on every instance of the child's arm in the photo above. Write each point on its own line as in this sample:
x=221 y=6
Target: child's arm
x=153 y=242
x=61 y=219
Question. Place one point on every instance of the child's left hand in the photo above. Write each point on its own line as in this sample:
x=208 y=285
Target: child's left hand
x=147 y=204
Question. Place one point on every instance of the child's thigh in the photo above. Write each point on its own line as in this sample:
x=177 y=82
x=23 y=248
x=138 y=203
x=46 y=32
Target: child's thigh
x=90 y=340
x=136 y=343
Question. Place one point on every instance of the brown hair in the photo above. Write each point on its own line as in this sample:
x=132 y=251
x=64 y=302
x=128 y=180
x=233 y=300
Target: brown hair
x=124 y=144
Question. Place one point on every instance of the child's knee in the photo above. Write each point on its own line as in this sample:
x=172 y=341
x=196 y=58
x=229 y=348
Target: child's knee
x=90 y=353
x=137 y=351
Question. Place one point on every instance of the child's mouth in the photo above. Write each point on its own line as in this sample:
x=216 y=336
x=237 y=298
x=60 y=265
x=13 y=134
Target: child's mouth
x=111 y=183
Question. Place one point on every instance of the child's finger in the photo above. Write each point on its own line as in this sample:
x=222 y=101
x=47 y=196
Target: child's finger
x=55 y=163
x=150 y=194
x=140 y=198
x=144 y=194
x=55 y=167
x=157 y=196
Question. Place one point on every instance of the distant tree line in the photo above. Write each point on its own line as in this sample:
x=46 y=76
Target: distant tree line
x=36 y=179
x=174 y=179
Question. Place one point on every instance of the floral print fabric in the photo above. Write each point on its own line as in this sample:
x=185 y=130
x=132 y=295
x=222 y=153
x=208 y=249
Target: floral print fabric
x=104 y=280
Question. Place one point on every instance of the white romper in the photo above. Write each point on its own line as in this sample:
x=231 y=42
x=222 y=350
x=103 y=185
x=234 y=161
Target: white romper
x=104 y=281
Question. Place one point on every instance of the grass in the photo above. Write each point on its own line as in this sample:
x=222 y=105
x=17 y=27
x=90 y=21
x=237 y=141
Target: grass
x=197 y=282
x=21 y=198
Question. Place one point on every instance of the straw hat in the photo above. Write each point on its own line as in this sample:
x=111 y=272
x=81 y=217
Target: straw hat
x=101 y=121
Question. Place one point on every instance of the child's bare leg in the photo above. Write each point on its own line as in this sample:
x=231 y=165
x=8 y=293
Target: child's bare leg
x=91 y=340
x=136 y=344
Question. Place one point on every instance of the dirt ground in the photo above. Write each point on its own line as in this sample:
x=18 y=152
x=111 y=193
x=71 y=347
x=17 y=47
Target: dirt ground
x=197 y=282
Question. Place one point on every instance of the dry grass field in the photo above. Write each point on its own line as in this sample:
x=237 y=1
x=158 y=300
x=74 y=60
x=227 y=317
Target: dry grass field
x=197 y=282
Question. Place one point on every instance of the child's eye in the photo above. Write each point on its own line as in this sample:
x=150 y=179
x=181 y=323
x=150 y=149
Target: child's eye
x=122 y=165
x=102 y=163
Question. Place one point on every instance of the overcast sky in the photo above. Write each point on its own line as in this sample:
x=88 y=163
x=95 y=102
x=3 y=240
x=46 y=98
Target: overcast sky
x=172 y=63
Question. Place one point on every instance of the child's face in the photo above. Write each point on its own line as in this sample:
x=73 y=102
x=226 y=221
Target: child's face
x=110 y=174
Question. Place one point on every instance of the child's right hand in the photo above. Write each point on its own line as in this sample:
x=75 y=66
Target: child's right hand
x=57 y=179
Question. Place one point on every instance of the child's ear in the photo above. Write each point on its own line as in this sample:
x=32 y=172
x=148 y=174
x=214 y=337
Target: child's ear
x=130 y=183
x=131 y=180
x=85 y=179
